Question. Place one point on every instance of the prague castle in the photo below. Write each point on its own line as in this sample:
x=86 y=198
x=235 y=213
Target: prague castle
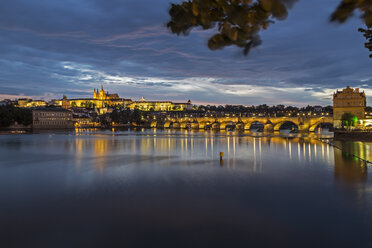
x=102 y=95
x=102 y=100
x=348 y=100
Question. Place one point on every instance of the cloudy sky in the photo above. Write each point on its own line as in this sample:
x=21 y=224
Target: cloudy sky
x=51 y=47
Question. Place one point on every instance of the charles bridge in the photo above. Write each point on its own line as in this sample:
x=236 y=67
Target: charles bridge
x=271 y=124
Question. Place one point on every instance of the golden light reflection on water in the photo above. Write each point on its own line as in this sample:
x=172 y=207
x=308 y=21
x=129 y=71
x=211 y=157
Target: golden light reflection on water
x=349 y=168
x=240 y=151
x=199 y=145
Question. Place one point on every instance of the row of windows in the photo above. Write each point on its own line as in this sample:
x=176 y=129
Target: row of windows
x=53 y=123
x=349 y=104
x=349 y=97
x=52 y=119
x=52 y=114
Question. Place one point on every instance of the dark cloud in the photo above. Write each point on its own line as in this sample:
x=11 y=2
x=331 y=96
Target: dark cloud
x=49 y=48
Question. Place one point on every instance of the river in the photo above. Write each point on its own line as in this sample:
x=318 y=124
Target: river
x=169 y=188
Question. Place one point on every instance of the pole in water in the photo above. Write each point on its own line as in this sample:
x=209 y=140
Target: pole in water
x=221 y=159
x=221 y=155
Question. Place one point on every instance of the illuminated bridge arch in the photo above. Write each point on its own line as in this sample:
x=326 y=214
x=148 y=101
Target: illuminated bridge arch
x=277 y=126
x=204 y=124
x=190 y=125
x=175 y=125
x=240 y=126
x=248 y=126
x=313 y=127
x=153 y=124
x=215 y=125
x=223 y=125
x=167 y=124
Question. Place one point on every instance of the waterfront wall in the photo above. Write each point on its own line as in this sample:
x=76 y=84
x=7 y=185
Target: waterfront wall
x=353 y=135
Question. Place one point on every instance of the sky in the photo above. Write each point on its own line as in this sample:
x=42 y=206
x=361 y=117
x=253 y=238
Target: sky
x=51 y=48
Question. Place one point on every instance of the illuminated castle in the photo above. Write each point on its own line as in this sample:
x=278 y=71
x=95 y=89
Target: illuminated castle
x=102 y=99
x=102 y=95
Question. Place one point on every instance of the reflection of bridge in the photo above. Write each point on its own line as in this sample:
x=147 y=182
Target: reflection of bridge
x=304 y=124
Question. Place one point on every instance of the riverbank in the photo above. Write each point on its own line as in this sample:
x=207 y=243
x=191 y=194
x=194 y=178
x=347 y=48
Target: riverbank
x=353 y=136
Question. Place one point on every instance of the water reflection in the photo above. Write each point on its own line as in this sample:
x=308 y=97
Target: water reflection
x=194 y=145
x=348 y=167
x=175 y=182
x=206 y=146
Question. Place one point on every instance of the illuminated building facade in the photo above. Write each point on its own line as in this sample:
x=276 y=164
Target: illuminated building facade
x=100 y=100
x=29 y=103
x=52 y=118
x=348 y=100
x=102 y=95
x=160 y=105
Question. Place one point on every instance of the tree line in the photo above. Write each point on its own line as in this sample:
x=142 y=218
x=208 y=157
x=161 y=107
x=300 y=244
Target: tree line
x=10 y=114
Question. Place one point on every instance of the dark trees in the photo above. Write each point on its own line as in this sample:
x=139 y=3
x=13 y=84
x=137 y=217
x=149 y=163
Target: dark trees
x=239 y=22
x=349 y=120
x=10 y=114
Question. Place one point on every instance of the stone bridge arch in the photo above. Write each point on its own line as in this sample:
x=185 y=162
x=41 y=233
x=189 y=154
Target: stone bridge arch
x=190 y=125
x=167 y=124
x=248 y=125
x=153 y=124
x=278 y=125
x=216 y=125
x=227 y=123
x=175 y=125
x=184 y=124
x=314 y=126
x=204 y=124
x=240 y=125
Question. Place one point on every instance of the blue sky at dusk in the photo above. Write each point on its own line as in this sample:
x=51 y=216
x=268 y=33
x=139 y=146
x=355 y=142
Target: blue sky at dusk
x=50 y=47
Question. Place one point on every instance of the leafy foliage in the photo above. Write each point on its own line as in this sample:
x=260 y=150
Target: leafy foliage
x=347 y=8
x=126 y=116
x=367 y=33
x=238 y=22
x=349 y=120
x=9 y=115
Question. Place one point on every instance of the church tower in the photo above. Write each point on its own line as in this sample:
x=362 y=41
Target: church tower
x=95 y=95
x=102 y=94
x=65 y=103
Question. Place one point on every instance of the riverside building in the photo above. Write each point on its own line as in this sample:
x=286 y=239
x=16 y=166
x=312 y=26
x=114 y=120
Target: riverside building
x=348 y=100
x=52 y=118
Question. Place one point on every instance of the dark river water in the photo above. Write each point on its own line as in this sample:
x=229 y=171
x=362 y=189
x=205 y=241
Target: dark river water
x=155 y=188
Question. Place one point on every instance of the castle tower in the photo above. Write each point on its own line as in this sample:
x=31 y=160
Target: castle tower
x=65 y=102
x=102 y=94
